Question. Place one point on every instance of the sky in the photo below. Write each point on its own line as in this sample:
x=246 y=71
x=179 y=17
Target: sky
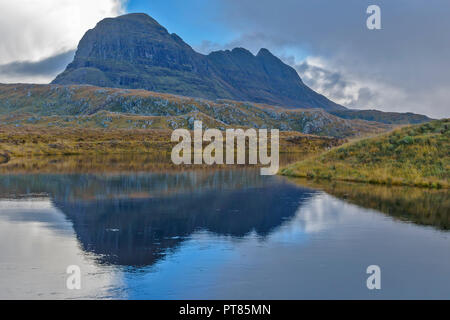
x=402 y=67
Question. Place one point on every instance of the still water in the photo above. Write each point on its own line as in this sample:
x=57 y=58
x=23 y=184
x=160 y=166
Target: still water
x=218 y=234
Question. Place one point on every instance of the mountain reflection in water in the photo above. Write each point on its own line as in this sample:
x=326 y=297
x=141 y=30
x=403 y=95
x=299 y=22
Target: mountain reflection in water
x=219 y=234
x=135 y=219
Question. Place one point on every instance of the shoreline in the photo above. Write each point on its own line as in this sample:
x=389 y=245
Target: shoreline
x=387 y=182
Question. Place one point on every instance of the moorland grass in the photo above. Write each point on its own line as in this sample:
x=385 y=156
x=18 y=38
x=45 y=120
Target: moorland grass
x=415 y=155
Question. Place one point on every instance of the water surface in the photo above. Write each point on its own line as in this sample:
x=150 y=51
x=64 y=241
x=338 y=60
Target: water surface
x=218 y=234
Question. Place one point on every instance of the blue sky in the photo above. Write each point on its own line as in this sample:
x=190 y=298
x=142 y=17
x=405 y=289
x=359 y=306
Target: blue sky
x=193 y=20
x=202 y=24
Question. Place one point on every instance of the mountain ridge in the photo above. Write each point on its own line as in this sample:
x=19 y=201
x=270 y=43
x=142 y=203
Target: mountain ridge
x=134 y=51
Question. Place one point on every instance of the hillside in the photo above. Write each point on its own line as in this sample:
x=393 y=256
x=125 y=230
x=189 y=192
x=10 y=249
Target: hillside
x=417 y=155
x=94 y=107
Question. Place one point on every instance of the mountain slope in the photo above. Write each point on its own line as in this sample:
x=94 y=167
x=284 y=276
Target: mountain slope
x=87 y=106
x=134 y=51
x=416 y=155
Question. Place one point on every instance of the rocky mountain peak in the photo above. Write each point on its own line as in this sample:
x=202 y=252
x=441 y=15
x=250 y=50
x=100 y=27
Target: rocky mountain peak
x=134 y=51
x=263 y=52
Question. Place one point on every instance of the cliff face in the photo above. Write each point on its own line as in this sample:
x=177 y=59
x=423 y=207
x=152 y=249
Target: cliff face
x=134 y=51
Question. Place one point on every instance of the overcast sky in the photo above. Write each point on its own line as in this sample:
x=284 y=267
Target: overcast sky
x=403 y=67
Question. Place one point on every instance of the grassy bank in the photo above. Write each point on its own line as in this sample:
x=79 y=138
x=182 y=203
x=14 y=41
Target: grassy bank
x=414 y=155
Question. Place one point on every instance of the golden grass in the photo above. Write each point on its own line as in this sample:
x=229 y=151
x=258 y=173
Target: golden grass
x=414 y=156
x=35 y=148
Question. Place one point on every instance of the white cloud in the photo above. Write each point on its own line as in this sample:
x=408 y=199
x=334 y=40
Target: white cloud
x=35 y=30
x=355 y=91
x=404 y=66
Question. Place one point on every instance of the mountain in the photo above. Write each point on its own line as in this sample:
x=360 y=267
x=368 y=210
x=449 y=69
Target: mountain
x=134 y=51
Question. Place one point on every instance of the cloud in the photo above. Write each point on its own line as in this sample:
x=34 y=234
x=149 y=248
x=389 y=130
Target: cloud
x=363 y=93
x=33 y=31
x=403 y=67
x=40 y=71
x=207 y=46
x=333 y=84
x=254 y=42
x=336 y=86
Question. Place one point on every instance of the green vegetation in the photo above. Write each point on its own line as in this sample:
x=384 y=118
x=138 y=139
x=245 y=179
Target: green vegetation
x=415 y=156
